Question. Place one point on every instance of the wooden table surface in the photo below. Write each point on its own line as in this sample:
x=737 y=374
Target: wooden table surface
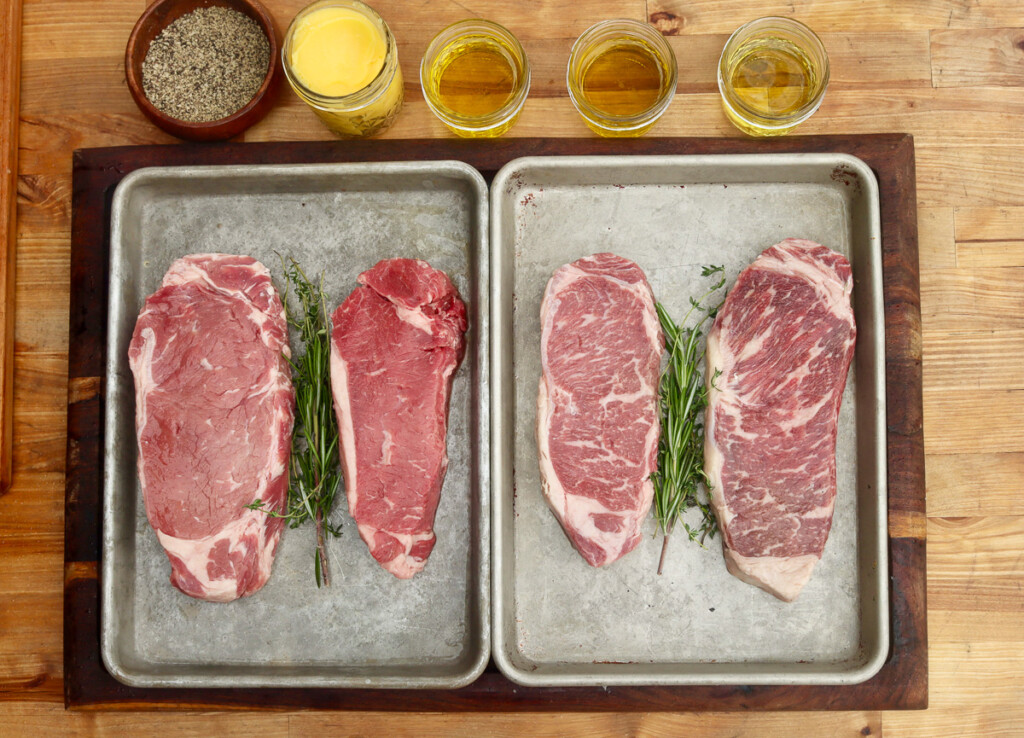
x=951 y=72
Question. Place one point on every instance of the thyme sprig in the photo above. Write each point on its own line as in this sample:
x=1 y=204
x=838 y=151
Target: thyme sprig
x=683 y=397
x=314 y=475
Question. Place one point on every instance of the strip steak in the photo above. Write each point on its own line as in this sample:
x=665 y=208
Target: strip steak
x=597 y=407
x=213 y=414
x=783 y=342
x=395 y=344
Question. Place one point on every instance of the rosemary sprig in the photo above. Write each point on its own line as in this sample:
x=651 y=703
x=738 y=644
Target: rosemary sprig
x=314 y=473
x=683 y=398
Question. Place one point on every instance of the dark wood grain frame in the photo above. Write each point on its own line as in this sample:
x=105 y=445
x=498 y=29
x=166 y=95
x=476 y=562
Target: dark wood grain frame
x=902 y=682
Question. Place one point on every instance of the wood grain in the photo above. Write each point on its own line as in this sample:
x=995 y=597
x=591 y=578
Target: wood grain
x=969 y=171
x=30 y=719
x=723 y=16
x=957 y=299
x=937 y=242
x=980 y=361
x=978 y=57
x=946 y=418
x=975 y=484
x=989 y=237
x=92 y=26
x=10 y=106
x=989 y=224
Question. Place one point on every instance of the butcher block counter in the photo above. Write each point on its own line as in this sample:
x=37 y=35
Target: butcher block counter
x=948 y=72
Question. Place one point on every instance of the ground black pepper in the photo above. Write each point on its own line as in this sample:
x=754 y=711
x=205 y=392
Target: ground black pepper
x=206 y=65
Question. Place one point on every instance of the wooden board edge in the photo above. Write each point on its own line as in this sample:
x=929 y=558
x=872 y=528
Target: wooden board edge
x=84 y=437
x=908 y=430
x=902 y=684
x=10 y=112
x=88 y=686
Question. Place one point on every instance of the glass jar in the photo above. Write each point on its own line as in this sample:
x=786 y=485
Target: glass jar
x=475 y=78
x=621 y=77
x=360 y=112
x=772 y=76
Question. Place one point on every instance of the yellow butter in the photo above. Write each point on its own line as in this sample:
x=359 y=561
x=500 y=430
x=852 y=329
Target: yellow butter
x=337 y=51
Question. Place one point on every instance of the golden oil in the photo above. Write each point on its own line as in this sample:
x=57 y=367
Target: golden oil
x=626 y=79
x=772 y=76
x=475 y=78
x=621 y=77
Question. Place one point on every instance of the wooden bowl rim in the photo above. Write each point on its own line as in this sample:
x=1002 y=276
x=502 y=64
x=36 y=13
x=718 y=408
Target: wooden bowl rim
x=176 y=126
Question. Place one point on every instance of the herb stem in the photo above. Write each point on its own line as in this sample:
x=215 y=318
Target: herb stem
x=321 y=549
x=664 y=550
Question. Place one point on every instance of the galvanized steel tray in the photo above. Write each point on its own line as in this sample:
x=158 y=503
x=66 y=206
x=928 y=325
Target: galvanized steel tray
x=556 y=620
x=369 y=629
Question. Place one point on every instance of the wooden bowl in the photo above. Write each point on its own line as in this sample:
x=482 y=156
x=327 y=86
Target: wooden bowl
x=164 y=12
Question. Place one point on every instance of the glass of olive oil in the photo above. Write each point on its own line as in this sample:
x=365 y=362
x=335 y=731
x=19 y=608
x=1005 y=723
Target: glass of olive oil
x=772 y=76
x=621 y=77
x=475 y=78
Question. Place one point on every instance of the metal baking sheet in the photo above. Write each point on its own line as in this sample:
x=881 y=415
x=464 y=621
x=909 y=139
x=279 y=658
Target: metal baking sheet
x=368 y=629
x=556 y=620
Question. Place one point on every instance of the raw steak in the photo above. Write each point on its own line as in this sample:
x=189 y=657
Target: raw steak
x=597 y=408
x=395 y=344
x=783 y=342
x=213 y=413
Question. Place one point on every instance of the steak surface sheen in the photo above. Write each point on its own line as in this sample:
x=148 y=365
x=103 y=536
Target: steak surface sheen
x=213 y=415
x=777 y=359
x=597 y=406
x=395 y=344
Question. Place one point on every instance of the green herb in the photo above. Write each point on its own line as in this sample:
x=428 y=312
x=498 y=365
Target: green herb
x=314 y=472
x=683 y=398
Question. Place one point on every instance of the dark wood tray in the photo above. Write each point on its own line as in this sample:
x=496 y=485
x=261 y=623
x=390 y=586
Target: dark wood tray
x=902 y=682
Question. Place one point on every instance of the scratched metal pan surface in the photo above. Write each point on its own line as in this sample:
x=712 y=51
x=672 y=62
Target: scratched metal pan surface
x=368 y=629
x=556 y=620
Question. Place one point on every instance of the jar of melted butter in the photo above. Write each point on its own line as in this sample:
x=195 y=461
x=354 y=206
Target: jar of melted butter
x=621 y=77
x=340 y=58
